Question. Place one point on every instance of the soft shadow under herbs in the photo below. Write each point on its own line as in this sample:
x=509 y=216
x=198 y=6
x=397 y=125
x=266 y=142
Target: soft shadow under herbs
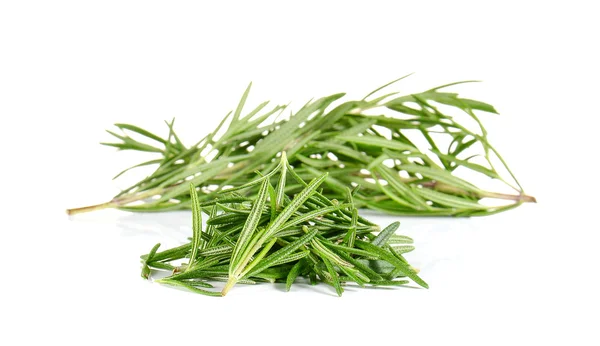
x=303 y=285
x=356 y=288
x=175 y=226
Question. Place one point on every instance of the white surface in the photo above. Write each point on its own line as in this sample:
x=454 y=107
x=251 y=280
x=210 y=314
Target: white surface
x=68 y=70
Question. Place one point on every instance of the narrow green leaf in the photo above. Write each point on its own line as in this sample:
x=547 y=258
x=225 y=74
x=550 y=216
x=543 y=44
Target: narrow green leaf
x=351 y=234
x=405 y=269
x=250 y=225
x=147 y=163
x=402 y=188
x=141 y=132
x=240 y=106
x=400 y=239
x=325 y=252
x=252 y=183
x=449 y=200
x=386 y=85
x=319 y=163
x=281 y=183
x=170 y=254
x=378 y=142
x=196 y=225
x=145 y=268
x=282 y=253
x=152 y=253
x=188 y=287
x=312 y=215
x=383 y=236
x=389 y=283
x=216 y=250
x=197 y=283
x=403 y=249
x=335 y=280
x=358 y=128
x=474 y=166
x=364 y=269
x=440 y=175
x=291 y=208
x=293 y=274
x=292 y=257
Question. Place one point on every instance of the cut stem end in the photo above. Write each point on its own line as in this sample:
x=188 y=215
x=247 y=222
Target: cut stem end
x=87 y=209
x=230 y=283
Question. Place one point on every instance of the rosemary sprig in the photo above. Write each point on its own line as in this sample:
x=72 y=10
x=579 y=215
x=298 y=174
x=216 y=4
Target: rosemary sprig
x=370 y=143
x=277 y=237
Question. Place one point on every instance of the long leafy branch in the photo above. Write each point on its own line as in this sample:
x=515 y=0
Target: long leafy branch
x=364 y=143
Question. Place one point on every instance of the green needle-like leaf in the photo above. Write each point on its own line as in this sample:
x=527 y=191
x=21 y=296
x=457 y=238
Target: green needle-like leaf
x=335 y=280
x=250 y=224
x=279 y=255
x=294 y=205
x=188 y=287
x=383 y=236
x=293 y=274
x=405 y=269
x=377 y=142
x=196 y=225
x=281 y=184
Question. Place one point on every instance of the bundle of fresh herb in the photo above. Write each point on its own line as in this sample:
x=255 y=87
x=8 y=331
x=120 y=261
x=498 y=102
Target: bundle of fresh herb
x=371 y=142
x=274 y=238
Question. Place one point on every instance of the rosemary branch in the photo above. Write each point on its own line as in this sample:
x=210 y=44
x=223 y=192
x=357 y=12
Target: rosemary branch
x=370 y=143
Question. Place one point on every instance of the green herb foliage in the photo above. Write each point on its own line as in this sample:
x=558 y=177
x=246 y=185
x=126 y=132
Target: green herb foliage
x=277 y=237
x=363 y=143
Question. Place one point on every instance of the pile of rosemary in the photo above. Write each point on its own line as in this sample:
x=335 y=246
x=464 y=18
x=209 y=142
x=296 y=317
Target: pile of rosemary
x=274 y=238
x=402 y=155
x=372 y=142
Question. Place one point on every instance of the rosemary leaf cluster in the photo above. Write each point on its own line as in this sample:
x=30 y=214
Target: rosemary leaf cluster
x=275 y=236
x=363 y=142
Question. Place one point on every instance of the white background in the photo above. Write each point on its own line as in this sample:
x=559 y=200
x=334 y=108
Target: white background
x=68 y=70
